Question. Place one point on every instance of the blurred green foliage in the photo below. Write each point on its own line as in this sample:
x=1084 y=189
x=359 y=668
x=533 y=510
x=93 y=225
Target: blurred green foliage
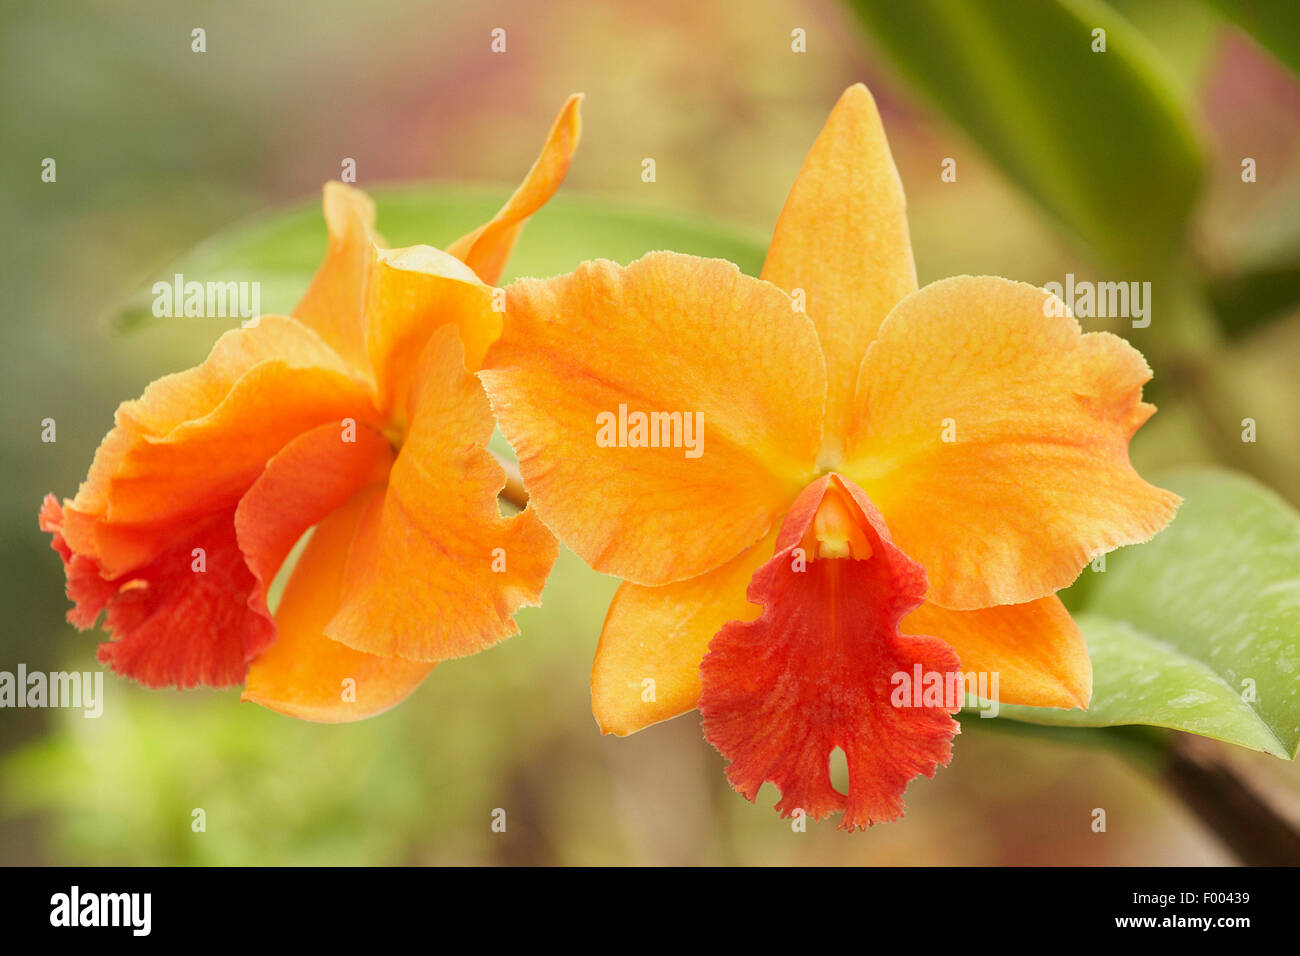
x=1275 y=23
x=1092 y=125
x=1093 y=120
x=399 y=788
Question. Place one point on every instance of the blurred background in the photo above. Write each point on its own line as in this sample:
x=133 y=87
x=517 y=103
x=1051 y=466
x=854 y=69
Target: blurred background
x=158 y=147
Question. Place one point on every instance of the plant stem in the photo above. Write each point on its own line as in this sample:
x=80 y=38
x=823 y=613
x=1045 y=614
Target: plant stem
x=514 y=491
x=1194 y=770
x=1225 y=803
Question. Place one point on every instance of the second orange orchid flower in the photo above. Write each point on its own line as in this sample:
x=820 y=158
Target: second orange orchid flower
x=877 y=461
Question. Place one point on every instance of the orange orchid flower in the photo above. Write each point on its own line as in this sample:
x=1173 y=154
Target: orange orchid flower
x=794 y=474
x=359 y=416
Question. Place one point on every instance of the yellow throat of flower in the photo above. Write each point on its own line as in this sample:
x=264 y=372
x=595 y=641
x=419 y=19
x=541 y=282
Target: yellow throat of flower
x=836 y=530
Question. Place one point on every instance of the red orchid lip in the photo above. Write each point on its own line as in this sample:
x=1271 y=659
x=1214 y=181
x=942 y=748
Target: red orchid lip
x=815 y=671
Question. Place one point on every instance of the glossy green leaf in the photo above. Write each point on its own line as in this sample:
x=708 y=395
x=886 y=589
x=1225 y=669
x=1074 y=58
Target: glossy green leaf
x=1101 y=139
x=1199 y=629
x=281 y=251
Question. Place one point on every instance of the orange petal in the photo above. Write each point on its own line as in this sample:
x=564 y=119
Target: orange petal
x=842 y=239
x=313 y=475
x=994 y=438
x=412 y=293
x=661 y=635
x=175 y=399
x=305 y=674
x=820 y=668
x=333 y=302
x=582 y=354
x=486 y=249
x=436 y=571
x=195 y=441
x=1035 y=649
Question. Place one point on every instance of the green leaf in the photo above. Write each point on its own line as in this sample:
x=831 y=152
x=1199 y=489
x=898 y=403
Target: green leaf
x=1178 y=627
x=1141 y=679
x=1102 y=140
x=1274 y=23
x=281 y=251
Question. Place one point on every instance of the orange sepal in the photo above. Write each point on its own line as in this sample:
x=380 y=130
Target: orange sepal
x=842 y=238
x=1035 y=649
x=660 y=635
x=486 y=249
x=334 y=301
